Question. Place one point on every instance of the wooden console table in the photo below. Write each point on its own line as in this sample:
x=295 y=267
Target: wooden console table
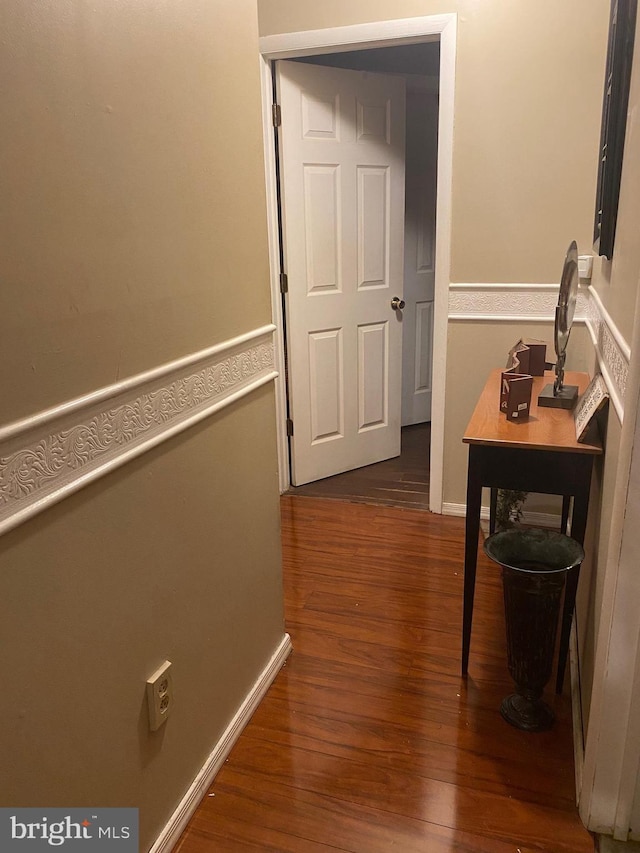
x=540 y=454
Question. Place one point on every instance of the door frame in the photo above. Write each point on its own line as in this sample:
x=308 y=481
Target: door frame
x=362 y=37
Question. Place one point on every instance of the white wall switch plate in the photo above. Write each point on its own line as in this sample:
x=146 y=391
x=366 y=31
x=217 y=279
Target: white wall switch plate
x=585 y=266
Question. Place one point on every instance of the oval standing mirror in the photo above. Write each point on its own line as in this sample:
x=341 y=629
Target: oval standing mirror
x=559 y=395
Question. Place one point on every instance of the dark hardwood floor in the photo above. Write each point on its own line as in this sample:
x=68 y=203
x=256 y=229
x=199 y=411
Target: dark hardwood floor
x=403 y=481
x=369 y=740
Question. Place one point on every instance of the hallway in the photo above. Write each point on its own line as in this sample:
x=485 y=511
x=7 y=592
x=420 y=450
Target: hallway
x=369 y=740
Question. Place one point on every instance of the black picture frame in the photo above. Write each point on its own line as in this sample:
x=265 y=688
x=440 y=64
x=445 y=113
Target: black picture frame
x=622 y=25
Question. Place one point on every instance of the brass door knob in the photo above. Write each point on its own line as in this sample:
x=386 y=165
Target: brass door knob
x=397 y=304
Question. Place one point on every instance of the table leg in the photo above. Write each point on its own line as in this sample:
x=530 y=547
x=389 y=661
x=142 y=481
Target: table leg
x=578 y=530
x=493 y=507
x=472 y=530
x=566 y=503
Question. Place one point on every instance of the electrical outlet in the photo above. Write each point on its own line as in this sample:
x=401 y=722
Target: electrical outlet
x=160 y=695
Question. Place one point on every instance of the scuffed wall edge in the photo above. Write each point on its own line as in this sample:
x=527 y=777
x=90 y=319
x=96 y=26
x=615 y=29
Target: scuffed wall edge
x=51 y=455
x=576 y=709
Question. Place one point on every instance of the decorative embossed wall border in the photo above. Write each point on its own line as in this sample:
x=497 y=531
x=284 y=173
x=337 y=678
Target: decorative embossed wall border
x=508 y=302
x=612 y=350
x=536 y=303
x=49 y=456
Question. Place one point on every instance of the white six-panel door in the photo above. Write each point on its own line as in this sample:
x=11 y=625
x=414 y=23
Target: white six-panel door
x=342 y=183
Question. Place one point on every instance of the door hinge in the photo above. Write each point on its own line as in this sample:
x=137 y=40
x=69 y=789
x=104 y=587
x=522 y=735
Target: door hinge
x=289 y=427
x=276 y=115
x=284 y=283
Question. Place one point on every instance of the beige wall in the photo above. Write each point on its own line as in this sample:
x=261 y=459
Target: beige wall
x=133 y=190
x=133 y=223
x=151 y=563
x=529 y=80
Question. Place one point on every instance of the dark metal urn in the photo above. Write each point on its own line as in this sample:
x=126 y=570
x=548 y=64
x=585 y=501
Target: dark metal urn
x=534 y=569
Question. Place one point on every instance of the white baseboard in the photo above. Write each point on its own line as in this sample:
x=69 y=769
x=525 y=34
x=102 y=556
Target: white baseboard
x=187 y=806
x=460 y=510
x=535 y=519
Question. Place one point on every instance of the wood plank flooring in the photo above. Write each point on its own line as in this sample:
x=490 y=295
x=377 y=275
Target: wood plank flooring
x=402 y=481
x=369 y=740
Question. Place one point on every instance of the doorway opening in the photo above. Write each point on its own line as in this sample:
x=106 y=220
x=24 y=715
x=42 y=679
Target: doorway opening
x=402 y=480
x=375 y=38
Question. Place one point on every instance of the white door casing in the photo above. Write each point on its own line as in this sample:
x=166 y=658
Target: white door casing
x=342 y=182
x=419 y=255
